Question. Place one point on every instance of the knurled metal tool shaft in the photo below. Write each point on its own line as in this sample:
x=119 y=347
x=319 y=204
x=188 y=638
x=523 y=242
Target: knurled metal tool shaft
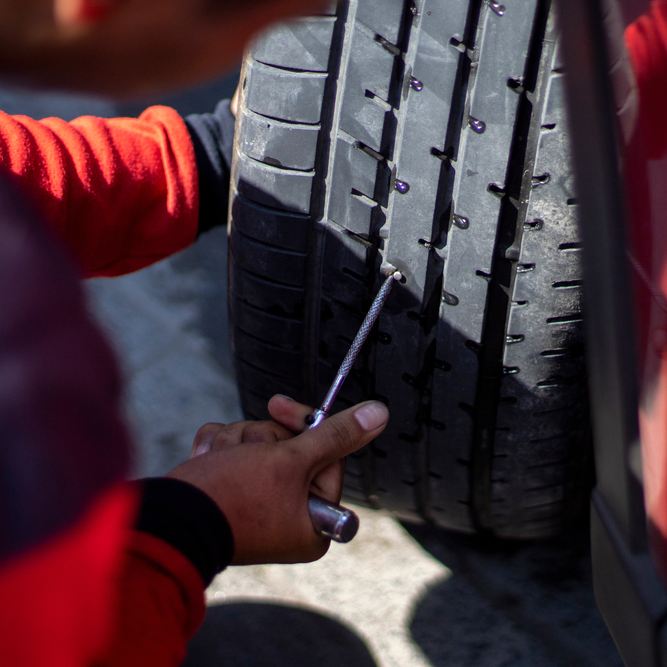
x=334 y=521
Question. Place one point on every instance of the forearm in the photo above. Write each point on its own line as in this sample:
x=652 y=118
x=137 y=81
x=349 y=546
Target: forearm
x=181 y=541
x=121 y=193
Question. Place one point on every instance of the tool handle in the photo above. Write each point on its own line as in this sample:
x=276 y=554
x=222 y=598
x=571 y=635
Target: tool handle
x=333 y=521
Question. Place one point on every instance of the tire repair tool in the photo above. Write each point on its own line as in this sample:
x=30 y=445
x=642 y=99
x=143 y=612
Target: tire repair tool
x=334 y=521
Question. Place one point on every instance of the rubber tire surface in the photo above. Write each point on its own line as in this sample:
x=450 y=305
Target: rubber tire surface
x=430 y=135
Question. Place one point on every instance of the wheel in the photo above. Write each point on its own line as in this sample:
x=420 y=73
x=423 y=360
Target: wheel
x=430 y=136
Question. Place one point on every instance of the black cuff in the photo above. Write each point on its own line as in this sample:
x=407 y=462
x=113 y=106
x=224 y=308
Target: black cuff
x=212 y=136
x=186 y=518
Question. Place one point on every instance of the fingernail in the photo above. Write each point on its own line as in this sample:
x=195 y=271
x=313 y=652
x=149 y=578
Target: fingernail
x=201 y=448
x=287 y=398
x=372 y=415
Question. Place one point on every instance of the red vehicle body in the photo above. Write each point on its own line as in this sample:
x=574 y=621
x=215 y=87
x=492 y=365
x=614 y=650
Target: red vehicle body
x=644 y=173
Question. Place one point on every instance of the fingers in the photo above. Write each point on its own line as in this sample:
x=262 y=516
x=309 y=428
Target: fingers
x=265 y=432
x=328 y=482
x=205 y=437
x=213 y=437
x=343 y=433
x=289 y=413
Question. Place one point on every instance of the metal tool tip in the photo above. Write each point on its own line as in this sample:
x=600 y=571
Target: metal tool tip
x=387 y=269
x=398 y=276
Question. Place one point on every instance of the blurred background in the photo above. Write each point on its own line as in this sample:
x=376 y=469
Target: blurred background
x=399 y=595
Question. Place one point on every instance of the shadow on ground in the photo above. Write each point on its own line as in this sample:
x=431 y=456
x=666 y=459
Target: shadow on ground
x=411 y=596
x=272 y=635
x=533 y=602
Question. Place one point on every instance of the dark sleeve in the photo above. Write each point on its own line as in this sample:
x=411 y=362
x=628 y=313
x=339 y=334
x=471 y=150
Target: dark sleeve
x=212 y=136
x=186 y=518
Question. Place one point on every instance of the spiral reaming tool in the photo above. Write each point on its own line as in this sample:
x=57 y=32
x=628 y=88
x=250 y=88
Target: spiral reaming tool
x=334 y=521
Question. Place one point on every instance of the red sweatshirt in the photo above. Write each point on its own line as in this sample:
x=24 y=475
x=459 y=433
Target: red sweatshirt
x=121 y=194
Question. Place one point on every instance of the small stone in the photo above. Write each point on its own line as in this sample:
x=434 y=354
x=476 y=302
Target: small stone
x=450 y=299
x=476 y=125
x=416 y=84
x=460 y=221
x=497 y=8
x=401 y=186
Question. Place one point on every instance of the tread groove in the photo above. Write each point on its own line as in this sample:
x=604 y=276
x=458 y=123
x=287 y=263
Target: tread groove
x=270 y=246
x=250 y=306
x=266 y=280
x=504 y=267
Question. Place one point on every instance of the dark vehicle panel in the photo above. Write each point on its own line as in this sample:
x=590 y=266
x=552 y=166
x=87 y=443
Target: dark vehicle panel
x=619 y=184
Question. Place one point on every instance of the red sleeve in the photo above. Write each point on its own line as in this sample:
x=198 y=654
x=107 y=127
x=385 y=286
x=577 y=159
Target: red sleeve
x=122 y=193
x=57 y=600
x=161 y=606
x=646 y=40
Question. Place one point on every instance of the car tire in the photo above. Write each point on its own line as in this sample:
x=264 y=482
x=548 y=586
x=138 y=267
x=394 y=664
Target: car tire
x=429 y=136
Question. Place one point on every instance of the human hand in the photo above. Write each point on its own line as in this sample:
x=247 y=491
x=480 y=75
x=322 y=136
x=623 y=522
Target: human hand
x=261 y=475
x=289 y=418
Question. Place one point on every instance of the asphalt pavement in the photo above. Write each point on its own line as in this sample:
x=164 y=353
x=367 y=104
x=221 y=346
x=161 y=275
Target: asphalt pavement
x=398 y=595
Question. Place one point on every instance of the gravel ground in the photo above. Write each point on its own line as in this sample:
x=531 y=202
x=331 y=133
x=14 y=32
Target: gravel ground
x=398 y=595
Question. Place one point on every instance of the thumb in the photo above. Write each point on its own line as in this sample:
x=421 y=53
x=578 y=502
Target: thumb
x=344 y=433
